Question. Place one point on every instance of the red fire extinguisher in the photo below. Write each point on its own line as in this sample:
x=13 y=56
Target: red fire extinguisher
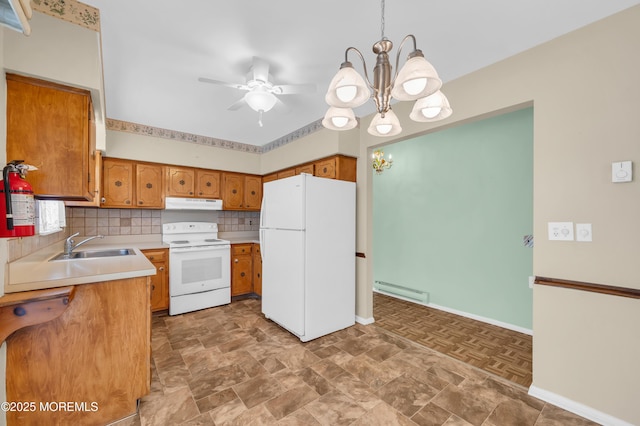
x=17 y=203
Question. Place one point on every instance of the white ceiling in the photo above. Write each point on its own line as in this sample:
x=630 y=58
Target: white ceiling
x=154 y=51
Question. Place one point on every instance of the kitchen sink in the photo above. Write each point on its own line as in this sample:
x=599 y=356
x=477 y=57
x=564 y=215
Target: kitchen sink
x=92 y=254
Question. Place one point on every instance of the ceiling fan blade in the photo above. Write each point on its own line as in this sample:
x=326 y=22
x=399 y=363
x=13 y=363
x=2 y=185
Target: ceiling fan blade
x=237 y=105
x=294 y=89
x=282 y=107
x=260 y=69
x=224 y=83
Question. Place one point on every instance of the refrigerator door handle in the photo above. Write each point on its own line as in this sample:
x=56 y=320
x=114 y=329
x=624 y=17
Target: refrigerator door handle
x=262 y=241
x=262 y=211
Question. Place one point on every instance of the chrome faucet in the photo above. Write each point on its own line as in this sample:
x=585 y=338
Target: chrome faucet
x=69 y=243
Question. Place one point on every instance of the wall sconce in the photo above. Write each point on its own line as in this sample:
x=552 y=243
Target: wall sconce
x=379 y=163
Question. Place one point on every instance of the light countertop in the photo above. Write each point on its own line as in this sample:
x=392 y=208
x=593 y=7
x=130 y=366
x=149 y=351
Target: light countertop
x=240 y=237
x=35 y=272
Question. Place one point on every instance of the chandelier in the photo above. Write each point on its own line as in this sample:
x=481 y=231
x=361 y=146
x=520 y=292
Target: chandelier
x=379 y=163
x=416 y=81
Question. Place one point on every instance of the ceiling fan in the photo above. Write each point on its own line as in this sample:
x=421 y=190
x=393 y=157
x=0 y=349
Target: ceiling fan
x=262 y=94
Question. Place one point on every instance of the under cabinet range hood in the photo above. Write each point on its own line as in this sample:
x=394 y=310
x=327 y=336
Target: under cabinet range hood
x=177 y=203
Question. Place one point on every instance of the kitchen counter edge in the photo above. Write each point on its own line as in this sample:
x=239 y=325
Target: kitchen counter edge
x=35 y=272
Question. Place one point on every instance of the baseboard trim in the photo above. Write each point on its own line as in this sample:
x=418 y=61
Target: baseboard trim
x=464 y=314
x=364 y=321
x=576 y=407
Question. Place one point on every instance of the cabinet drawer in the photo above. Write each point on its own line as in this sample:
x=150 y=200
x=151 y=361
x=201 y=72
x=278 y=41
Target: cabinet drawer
x=238 y=249
x=155 y=255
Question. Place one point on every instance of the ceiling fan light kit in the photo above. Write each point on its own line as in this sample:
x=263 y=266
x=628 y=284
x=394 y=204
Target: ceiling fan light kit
x=262 y=94
x=260 y=99
x=417 y=81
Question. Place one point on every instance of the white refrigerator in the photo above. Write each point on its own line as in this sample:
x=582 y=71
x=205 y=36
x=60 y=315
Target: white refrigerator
x=307 y=242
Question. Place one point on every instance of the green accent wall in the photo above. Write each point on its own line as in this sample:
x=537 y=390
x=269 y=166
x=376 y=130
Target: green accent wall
x=450 y=215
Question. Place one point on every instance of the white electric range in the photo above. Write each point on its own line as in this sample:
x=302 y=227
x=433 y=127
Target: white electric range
x=199 y=266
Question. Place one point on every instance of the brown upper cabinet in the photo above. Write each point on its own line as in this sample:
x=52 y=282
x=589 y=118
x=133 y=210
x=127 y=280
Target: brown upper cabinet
x=307 y=168
x=336 y=167
x=241 y=192
x=149 y=193
x=51 y=126
x=207 y=184
x=180 y=181
x=129 y=184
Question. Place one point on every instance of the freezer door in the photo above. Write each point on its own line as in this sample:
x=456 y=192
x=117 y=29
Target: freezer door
x=283 y=288
x=283 y=204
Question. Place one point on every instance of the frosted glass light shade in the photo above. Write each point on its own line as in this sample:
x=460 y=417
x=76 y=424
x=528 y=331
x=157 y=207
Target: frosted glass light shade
x=431 y=108
x=339 y=119
x=259 y=99
x=416 y=79
x=389 y=125
x=347 y=89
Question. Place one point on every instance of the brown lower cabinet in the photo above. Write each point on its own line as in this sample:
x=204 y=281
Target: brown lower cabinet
x=246 y=269
x=159 y=281
x=257 y=270
x=95 y=356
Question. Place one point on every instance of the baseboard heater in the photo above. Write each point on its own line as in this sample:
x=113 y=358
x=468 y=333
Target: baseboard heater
x=398 y=290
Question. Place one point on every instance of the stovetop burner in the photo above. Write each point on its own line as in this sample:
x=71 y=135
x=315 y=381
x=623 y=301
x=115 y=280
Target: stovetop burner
x=181 y=234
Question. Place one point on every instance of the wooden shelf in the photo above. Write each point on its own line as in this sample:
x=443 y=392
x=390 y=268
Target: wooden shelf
x=19 y=310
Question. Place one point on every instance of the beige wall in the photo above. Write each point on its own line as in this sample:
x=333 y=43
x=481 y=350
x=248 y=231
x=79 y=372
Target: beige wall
x=315 y=146
x=158 y=150
x=585 y=90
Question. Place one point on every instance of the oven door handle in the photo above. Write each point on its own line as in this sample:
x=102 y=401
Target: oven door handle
x=192 y=249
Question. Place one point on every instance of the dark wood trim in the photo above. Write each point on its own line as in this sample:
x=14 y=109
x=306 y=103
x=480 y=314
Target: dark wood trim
x=360 y=254
x=594 y=288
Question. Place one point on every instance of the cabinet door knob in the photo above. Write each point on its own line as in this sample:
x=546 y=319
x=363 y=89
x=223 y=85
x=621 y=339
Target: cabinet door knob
x=149 y=185
x=161 y=268
x=235 y=260
x=153 y=287
x=242 y=274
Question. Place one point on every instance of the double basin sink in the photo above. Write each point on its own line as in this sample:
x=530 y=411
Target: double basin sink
x=93 y=254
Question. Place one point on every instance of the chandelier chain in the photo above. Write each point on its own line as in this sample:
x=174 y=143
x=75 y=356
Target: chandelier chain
x=382 y=20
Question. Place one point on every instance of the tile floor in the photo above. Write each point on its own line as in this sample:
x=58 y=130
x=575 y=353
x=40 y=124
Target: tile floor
x=230 y=366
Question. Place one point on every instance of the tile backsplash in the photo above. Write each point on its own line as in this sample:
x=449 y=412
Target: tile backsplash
x=93 y=221
x=90 y=221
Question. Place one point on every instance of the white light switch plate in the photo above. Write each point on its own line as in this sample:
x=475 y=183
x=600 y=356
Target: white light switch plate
x=621 y=171
x=583 y=232
x=561 y=231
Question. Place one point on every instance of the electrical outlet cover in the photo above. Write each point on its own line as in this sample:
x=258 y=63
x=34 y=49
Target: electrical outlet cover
x=561 y=231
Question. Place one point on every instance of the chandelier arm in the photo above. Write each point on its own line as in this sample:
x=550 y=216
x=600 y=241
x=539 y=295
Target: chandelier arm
x=415 y=47
x=364 y=64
